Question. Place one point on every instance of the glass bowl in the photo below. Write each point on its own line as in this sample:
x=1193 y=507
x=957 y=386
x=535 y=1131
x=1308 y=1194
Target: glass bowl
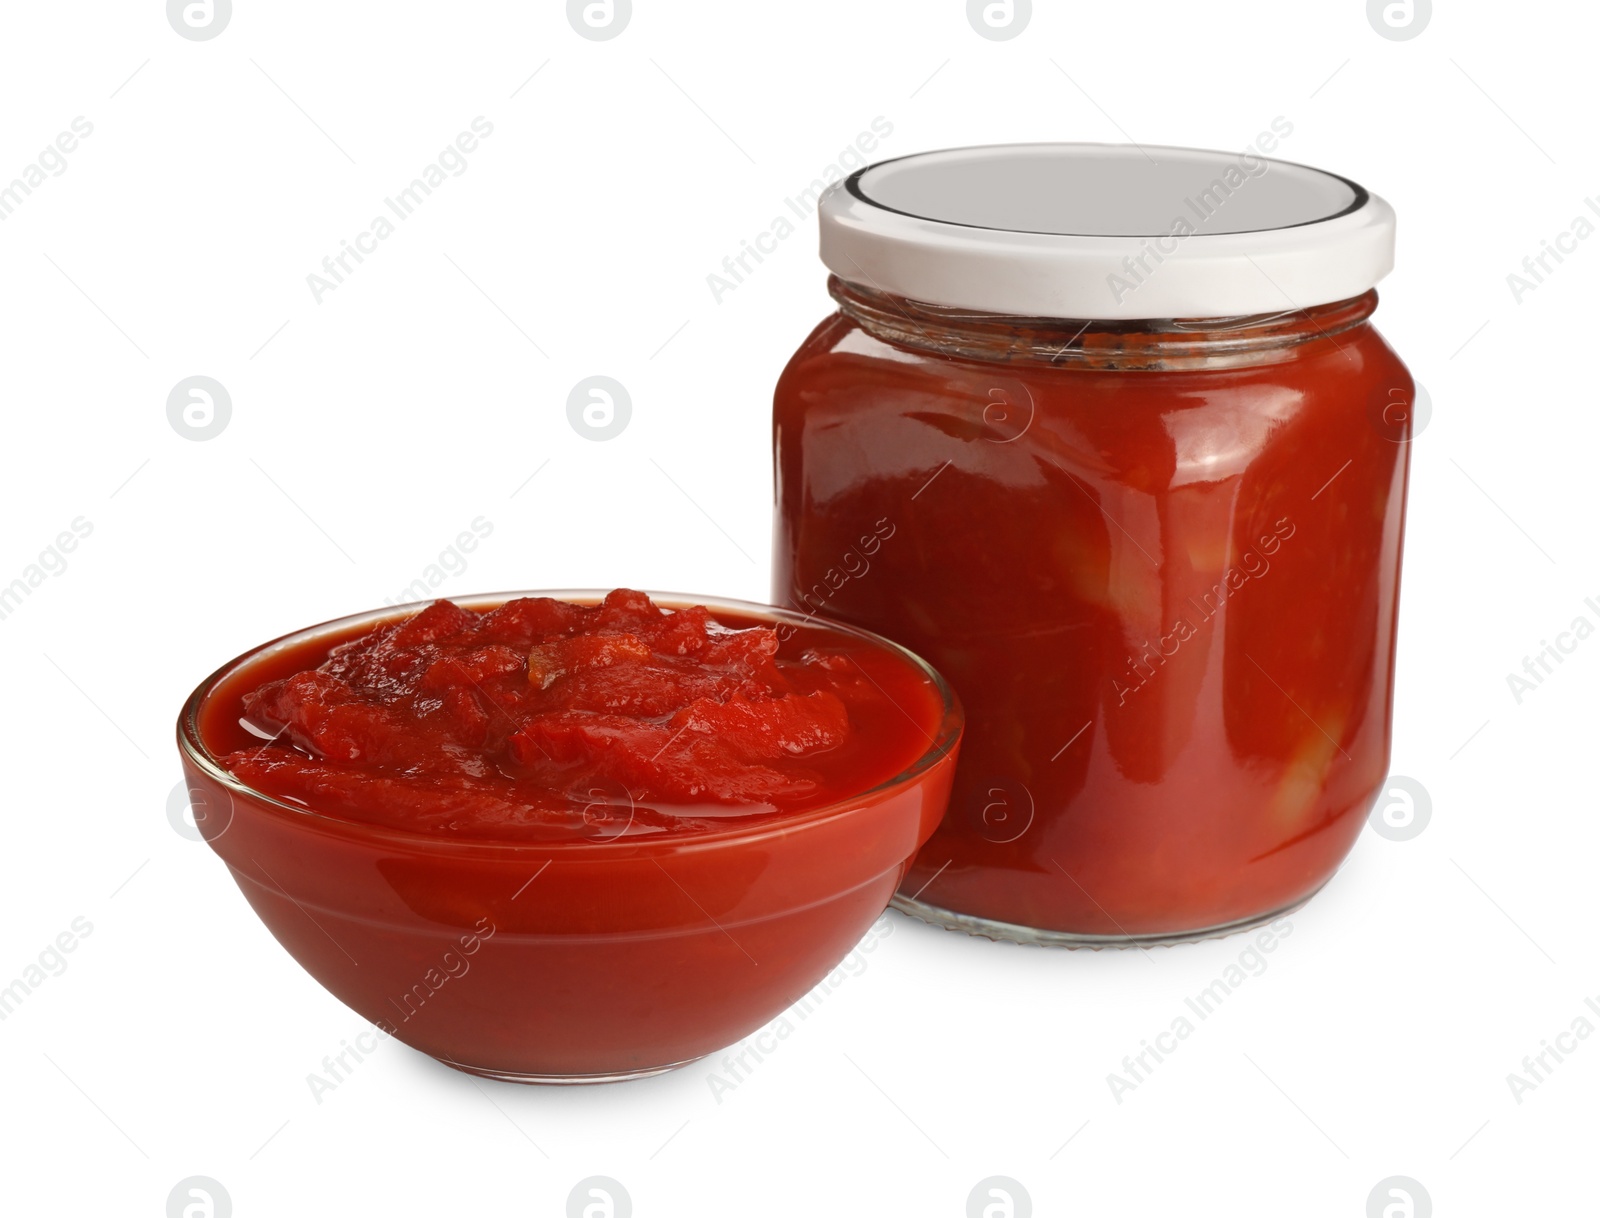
x=575 y=961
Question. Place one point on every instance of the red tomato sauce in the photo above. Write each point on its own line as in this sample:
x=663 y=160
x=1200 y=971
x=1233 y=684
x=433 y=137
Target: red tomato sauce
x=544 y=720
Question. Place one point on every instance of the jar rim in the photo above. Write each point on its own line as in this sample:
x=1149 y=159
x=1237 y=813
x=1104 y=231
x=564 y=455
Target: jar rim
x=1145 y=344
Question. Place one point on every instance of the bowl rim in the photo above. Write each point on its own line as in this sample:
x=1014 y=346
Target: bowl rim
x=943 y=741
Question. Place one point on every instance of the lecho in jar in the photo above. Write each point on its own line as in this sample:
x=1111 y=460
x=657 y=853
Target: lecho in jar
x=1106 y=435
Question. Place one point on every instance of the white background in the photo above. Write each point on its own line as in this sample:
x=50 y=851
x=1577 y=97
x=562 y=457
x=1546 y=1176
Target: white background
x=369 y=429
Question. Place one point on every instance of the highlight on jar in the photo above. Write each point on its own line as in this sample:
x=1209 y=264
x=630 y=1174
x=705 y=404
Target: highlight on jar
x=1106 y=434
x=570 y=837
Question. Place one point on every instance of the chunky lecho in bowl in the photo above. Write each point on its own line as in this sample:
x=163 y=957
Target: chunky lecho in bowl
x=570 y=837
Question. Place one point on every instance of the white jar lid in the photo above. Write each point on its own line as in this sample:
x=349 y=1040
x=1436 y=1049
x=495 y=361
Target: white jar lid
x=1106 y=231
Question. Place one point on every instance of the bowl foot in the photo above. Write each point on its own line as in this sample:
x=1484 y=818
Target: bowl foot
x=566 y=1080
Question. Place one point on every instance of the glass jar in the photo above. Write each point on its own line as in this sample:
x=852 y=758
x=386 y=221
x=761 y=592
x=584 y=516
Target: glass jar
x=1138 y=497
